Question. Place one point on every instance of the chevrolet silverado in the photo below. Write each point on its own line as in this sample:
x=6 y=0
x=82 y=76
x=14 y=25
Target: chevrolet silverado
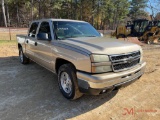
x=84 y=60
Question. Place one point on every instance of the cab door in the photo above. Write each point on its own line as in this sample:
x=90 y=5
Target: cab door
x=30 y=41
x=43 y=51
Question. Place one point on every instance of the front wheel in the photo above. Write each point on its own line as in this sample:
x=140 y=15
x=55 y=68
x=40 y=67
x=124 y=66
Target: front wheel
x=67 y=81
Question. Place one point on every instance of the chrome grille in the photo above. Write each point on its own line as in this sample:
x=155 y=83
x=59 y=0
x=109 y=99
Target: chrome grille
x=125 y=61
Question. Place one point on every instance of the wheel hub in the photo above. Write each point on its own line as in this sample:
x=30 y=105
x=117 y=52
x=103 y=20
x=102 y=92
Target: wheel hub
x=66 y=82
x=21 y=56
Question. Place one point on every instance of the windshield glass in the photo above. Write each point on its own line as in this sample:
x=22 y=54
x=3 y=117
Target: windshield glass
x=70 y=29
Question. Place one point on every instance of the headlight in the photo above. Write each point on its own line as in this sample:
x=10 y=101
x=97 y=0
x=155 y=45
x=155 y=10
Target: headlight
x=100 y=63
x=99 y=58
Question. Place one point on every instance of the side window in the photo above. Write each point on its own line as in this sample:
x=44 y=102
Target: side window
x=45 y=30
x=33 y=29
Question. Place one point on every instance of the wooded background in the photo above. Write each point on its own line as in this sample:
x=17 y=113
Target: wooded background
x=102 y=14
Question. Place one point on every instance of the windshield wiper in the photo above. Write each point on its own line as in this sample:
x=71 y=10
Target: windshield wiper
x=91 y=36
x=71 y=36
x=75 y=37
x=67 y=37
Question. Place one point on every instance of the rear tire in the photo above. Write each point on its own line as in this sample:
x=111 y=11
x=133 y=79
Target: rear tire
x=23 y=59
x=67 y=81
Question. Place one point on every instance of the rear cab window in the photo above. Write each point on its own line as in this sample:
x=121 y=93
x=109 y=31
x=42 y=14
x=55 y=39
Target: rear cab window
x=33 y=29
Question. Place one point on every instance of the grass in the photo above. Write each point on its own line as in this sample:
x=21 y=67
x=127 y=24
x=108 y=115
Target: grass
x=8 y=42
x=6 y=36
x=12 y=36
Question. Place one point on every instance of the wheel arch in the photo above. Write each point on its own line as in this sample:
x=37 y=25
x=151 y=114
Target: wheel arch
x=61 y=61
x=19 y=46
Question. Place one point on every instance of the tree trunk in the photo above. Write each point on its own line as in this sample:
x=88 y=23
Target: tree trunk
x=8 y=16
x=39 y=11
x=81 y=10
x=114 y=19
x=93 y=2
x=44 y=11
x=71 y=7
x=98 y=15
x=4 y=14
x=31 y=10
x=18 y=19
x=75 y=7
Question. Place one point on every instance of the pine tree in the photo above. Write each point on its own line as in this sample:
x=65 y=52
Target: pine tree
x=137 y=8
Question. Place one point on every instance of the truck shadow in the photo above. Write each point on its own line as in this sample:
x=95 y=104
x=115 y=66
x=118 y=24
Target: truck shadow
x=31 y=92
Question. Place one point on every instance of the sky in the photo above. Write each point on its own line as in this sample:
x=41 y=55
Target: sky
x=156 y=6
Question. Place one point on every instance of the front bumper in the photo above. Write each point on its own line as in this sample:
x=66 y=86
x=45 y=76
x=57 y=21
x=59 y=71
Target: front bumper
x=94 y=84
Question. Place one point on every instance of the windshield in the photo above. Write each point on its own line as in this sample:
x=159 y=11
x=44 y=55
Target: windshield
x=140 y=26
x=69 y=29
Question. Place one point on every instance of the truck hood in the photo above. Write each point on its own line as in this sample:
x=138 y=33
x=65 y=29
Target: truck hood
x=102 y=45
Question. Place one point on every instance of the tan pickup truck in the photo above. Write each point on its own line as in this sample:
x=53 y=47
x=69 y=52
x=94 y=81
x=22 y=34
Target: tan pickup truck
x=85 y=61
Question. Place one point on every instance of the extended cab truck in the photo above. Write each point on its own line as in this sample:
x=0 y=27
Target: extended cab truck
x=85 y=61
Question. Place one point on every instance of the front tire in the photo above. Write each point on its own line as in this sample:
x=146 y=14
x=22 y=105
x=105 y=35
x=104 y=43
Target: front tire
x=67 y=81
x=23 y=59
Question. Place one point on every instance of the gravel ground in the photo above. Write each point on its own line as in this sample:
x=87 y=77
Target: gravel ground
x=30 y=92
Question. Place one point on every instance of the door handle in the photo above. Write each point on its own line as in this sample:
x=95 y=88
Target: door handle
x=35 y=44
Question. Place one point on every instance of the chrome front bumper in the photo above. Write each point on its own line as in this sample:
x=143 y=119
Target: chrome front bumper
x=107 y=80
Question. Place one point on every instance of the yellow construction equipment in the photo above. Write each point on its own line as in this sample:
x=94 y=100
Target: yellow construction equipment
x=152 y=33
x=141 y=29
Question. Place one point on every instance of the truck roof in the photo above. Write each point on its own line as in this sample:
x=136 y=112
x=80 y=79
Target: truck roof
x=53 y=19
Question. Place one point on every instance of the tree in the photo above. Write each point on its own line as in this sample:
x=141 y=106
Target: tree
x=102 y=14
x=113 y=12
x=154 y=6
x=137 y=8
x=121 y=9
x=4 y=13
x=157 y=16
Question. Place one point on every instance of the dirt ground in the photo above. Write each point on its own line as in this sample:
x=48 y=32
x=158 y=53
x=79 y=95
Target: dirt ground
x=30 y=92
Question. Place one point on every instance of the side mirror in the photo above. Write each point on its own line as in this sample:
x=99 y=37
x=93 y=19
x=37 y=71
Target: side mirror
x=101 y=34
x=42 y=36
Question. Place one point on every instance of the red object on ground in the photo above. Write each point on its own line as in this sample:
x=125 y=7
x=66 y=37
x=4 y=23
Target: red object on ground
x=133 y=40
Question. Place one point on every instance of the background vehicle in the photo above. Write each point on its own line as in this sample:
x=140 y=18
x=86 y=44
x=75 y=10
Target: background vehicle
x=144 y=30
x=84 y=61
x=152 y=32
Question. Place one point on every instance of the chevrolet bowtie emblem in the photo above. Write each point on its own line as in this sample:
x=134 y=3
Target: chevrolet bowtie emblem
x=130 y=59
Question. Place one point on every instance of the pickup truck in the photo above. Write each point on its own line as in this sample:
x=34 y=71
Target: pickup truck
x=84 y=60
